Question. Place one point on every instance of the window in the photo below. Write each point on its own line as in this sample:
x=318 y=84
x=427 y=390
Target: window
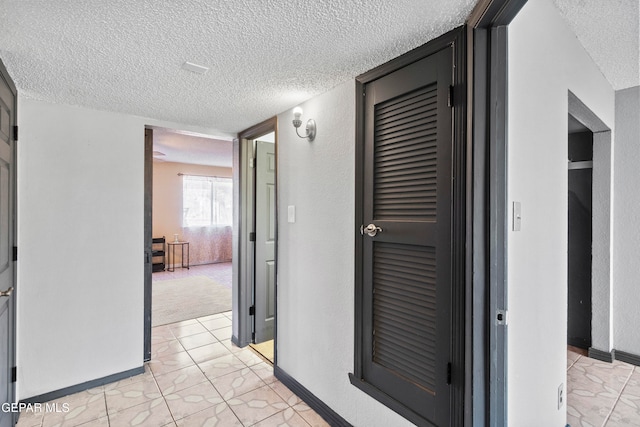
x=206 y=201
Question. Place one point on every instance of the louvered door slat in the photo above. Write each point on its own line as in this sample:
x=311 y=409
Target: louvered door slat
x=405 y=147
x=404 y=310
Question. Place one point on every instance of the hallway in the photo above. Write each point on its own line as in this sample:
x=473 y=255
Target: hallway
x=196 y=377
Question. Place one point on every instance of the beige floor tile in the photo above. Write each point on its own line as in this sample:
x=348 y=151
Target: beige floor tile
x=210 y=317
x=152 y=413
x=197 y=340
x=221 y=366
x=161 y=333
x=179 y=380
x=131 y=380
x=231 y=346
x=170 y=362
x=132 y=395
x=82 y=408
x=626 y=412
x=184 y=330
x=30 y=419
x=166 y=347
x=213 y=324
x=208 y=352
x=248 y=357
x=222 y=333
x=310 y=416
x=237 y=383
x=286 y=418
x=286 y=394
x=217 y=416
x=257 y=405
x=192 y=400
x=264 y=371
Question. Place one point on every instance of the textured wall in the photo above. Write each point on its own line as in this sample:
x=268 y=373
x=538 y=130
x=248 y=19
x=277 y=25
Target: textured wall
x=315 y=258
x=544 y=64
x=206 y=244
x=627 y=219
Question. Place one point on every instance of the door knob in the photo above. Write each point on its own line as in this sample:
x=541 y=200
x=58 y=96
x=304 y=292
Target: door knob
x=370 y=229
x=6 y=293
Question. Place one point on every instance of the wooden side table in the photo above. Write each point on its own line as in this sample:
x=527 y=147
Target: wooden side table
x=171 y=255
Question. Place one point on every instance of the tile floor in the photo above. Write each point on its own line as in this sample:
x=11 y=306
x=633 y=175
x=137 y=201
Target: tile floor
x=196 y=377
x=601 y=394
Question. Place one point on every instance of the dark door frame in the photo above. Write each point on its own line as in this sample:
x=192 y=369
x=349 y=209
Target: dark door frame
x=488 y=300
x=148 y=227
x=243 y=225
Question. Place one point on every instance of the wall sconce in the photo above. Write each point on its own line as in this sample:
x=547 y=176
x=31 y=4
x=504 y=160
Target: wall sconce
x=311 y=125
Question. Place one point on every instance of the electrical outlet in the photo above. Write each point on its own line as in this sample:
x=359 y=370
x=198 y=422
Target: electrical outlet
x=560 y=395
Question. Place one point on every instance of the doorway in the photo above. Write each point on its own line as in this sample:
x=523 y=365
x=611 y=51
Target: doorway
x=255 y=239
x=580 y=223
x=591 y=141
x=188 y=228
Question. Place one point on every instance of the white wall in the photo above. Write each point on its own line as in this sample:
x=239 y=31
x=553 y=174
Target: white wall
x=545 y=62
x=626 y=220
x=80 y=239
x=316 y=255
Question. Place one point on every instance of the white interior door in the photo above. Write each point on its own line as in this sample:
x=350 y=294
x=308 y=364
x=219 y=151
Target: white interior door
x=265 y=277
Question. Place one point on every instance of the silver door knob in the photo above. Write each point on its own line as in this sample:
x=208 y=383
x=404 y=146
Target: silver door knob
x=370 y=229
x=6 y=293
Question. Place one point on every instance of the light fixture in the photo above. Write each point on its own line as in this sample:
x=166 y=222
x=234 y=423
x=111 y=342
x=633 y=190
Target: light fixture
x=311 y=125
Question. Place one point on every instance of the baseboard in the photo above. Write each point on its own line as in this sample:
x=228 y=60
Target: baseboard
x=605 y=356
x=623 y=356
x=83 y=386
x=328 y=414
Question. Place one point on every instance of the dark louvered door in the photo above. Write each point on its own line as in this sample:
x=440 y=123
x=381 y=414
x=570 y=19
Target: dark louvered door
x=407 y=265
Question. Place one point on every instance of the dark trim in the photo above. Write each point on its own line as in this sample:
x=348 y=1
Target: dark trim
x=480 y=339
x=498 y=223
x=359 y=212
x=389 y=402
x=410 y=57
x=255 y=131
x=604 y=356
x=623 y=356
x=490 y=20
x=148 y=240
x=461 y=239
x=263 y=128
x=327 y=414
x=494 y=13
x=84 y=386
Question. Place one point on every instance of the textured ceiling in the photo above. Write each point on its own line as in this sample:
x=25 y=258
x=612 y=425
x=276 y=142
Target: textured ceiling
x=183 y=148
x=609 y=30
x=265 y=56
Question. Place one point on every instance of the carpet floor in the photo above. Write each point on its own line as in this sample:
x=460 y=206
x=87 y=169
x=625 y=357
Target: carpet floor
x=187 y=298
